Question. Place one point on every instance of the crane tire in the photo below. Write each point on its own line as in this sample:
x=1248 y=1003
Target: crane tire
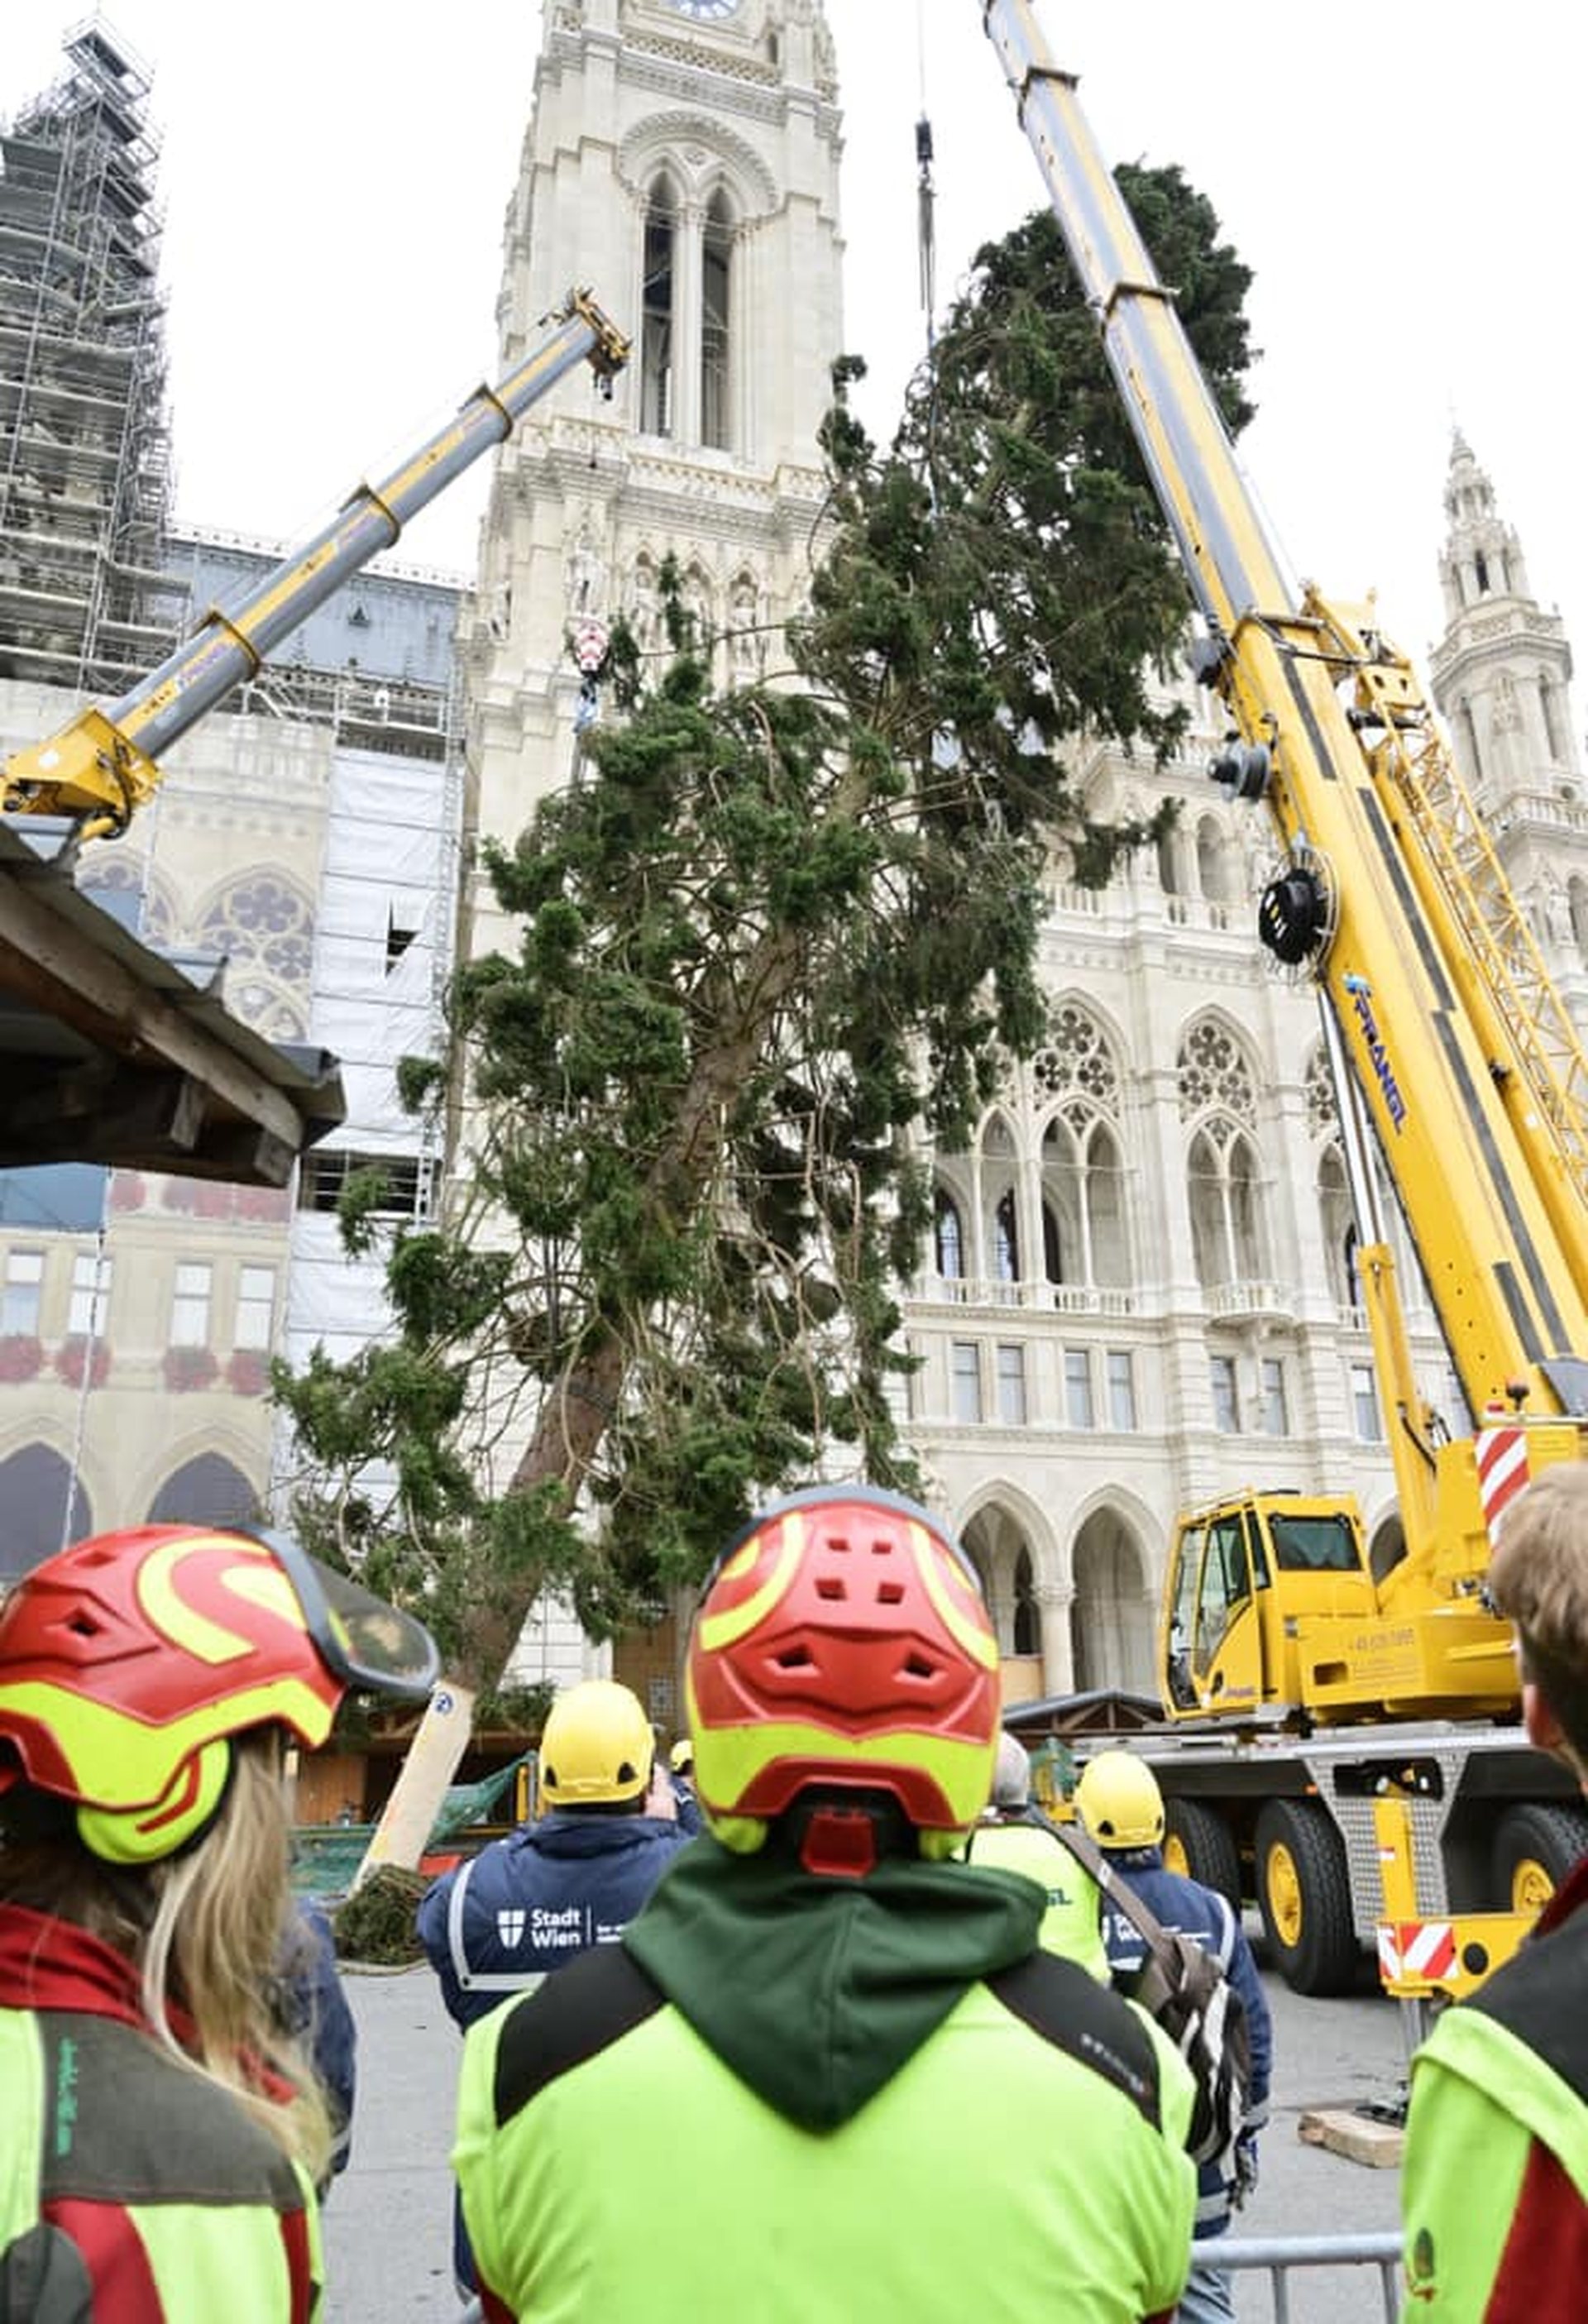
x=1304 y=1893
x=1198 y=1842
x=1534 y=1846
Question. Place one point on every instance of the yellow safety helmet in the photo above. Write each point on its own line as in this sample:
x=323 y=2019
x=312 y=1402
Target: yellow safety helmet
x=1118 y=1801
x=597 y=1746
x=681 y=1758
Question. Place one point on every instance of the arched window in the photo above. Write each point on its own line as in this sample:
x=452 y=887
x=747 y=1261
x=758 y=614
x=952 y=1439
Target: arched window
x=1210 y=859
x=1006 y=1239
x=1084 y=1235
x=1223 y=1181
x=715 y=319
x=947 y=1237
x=1577 y=898
x=209 y=1489
x=1339 y=1225
x=1166 y=877
x=656 y=311
x=45 y=1507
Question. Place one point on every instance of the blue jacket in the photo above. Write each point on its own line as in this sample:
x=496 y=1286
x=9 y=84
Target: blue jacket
x=528 y=1905
x=1185 y=1906
x=313 y=2008
x=537 y=1900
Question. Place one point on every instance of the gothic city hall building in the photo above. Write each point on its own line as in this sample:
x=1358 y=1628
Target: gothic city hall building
x=1138 y=1287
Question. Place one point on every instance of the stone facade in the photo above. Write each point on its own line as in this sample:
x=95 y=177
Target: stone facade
x=1139 y=1289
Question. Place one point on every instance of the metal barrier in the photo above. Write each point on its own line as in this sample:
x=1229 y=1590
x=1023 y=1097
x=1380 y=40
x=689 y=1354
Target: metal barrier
x=1280 y=2256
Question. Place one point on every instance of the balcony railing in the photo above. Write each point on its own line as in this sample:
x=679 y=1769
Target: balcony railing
x=1227 y=1300
x=1054 y=1298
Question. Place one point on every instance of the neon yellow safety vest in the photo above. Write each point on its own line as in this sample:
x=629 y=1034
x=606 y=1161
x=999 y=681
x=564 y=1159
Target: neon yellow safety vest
x=1072 y=1925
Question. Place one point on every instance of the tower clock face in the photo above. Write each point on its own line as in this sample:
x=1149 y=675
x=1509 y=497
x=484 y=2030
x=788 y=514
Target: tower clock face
x=705 y=12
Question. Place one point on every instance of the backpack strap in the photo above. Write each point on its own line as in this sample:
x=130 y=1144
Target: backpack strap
x=1119 y=1892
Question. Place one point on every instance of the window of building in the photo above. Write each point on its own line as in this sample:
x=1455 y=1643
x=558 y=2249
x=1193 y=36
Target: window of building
x=1122 y=1390
x=656 y=312
x=1226 y=1403
x=965 y=1372
x=90 y=1295
x=716 y=291
x=23 y=1295
x=1006 y=1240
x=1011 y=1385
x=1276 y=1412
x=949 y=1237
x=257 y=1307
x=1077 y=1388
x=1364 y=1405
x=189 y=1305
x=326 y=1170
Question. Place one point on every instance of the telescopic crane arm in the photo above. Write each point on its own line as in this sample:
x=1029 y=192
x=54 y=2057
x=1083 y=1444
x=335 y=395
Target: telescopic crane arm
x=1389 y=894
x=102 y=766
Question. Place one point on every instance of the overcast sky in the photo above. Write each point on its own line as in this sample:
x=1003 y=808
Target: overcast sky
x=1406 y=185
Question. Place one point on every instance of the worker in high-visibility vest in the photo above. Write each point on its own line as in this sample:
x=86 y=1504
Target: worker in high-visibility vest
x=1018 y=1837
x=1494 y=2185
x=160 y=2135
x=824 y=2028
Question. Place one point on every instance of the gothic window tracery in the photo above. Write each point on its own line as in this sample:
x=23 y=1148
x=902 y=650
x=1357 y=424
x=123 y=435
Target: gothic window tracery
x=265 y=929
x=153 y=921
x=1224 y=1172
x=1084 y=1231
x=1212 y=1071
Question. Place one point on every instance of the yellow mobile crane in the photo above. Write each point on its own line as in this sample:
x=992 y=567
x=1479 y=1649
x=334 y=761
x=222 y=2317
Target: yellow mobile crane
x=1299 y=1688
x=101 y=767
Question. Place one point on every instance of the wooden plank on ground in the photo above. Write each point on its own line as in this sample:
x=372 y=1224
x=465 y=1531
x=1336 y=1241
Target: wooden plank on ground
x=1357 y=2137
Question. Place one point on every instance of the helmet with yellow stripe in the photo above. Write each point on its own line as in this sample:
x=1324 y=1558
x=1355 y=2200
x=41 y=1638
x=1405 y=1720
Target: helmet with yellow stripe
x=129 y=1661
x=842 y=1643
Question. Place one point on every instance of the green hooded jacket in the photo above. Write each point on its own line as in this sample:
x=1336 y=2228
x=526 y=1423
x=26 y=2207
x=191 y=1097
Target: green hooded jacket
x=786 y=2098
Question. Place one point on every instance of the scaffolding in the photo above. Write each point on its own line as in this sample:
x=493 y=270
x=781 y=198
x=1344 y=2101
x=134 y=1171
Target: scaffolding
x=85 y=453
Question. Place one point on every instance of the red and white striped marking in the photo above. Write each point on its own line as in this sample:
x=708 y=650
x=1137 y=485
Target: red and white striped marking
x=1420 y=1950
x=1502 y=1472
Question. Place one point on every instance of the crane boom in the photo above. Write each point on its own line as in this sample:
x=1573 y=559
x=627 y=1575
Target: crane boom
x=102 y=766
x=1390 y=893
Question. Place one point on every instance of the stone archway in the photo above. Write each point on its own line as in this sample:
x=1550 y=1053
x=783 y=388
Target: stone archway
x=1008 y=1562
x=1111 y=1614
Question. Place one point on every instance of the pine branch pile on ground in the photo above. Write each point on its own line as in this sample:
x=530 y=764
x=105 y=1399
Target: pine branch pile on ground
x=375 y=1923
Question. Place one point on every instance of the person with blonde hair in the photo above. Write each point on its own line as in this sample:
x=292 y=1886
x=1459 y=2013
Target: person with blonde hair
x=162 y=2137
x=1494 y=2187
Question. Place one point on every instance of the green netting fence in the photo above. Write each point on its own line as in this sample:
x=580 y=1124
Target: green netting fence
x=326 y=1857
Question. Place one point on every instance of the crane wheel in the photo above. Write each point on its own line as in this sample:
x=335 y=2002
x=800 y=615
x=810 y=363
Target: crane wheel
x=1304 y=1892
x=1199 y=1843
x=1535 y=1847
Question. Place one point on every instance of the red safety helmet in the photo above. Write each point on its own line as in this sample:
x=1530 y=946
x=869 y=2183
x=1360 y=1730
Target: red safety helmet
x=842 y=1641
x=128 y=1661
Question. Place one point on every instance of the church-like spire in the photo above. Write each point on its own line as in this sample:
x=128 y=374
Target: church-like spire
x=1482 y=556
x=1501 y=673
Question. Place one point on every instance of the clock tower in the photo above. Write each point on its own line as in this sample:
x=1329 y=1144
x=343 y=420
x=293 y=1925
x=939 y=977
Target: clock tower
x=681 y=160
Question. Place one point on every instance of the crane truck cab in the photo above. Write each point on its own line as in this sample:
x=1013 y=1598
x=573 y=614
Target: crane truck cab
x=1271 y=1604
